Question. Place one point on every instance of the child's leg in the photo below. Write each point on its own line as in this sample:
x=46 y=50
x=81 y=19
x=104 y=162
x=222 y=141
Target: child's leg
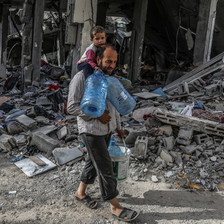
x=87 y=69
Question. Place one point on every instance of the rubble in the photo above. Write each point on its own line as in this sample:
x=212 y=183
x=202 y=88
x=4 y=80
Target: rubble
x=64 y=155
x=44 y=143
x=7 y=142
x=165 y=144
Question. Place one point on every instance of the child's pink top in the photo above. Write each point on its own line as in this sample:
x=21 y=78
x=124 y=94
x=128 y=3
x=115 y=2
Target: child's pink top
x=89 y=56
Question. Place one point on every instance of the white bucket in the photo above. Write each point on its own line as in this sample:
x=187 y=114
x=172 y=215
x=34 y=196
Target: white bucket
x=121 y=165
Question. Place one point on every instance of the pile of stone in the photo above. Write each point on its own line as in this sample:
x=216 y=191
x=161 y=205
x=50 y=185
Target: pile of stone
x=35 y=121
x=179 y=139
x=170 y=138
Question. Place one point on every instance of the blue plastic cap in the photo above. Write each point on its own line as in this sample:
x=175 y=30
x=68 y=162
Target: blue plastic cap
x=112 y=142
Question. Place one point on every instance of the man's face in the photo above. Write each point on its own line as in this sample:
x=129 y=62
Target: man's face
x=108 y=63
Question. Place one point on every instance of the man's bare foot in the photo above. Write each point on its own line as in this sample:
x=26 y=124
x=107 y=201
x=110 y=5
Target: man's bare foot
x=80 y=196
x=117 y=211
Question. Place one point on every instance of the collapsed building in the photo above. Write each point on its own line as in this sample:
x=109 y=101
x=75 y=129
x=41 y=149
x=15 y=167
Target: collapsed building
x=172 y=53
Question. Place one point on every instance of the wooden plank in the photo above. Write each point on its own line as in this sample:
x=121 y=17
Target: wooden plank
x=37 y=160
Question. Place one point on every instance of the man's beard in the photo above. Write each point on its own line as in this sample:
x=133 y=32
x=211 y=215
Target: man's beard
x=104 y=69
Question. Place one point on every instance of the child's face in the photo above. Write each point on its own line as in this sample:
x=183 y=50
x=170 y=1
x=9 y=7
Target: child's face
x=99 y=39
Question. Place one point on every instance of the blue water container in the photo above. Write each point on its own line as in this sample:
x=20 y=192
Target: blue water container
x=94 y=99
x=119 y=97
x=119 y=155
x=115 y=150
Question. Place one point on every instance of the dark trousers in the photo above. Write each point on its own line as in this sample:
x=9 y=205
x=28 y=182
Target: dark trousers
x=99 y=164
x=87 y=69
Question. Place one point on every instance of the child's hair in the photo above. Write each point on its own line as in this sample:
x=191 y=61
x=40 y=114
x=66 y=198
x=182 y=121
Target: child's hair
x=95 y=30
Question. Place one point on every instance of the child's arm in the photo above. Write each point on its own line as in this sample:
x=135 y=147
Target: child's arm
x=90 y=58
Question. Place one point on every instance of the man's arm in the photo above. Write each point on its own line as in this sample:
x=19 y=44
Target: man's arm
x=76 y=91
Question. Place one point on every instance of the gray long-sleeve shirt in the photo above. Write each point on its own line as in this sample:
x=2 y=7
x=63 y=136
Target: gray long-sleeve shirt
x=88 y=124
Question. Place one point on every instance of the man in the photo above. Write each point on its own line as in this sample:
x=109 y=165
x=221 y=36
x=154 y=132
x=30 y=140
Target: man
x=96 y=133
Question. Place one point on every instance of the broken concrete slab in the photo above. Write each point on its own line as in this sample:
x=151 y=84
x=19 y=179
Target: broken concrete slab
x=44 y=142
x=167 y=130
x=64 y=155
x=62 y=133
x=26 y=122
x=166 y=156
x=201 y=125
x=42 y=120
x=189 y=149
x=146 y=95
x=168 y=142
x=46 y=129
x=184 y=136
x=201 y=138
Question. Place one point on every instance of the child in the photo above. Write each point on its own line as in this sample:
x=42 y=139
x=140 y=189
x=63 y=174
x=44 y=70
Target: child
x=87 y=62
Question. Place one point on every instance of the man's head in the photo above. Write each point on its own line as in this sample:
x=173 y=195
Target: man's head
x=98 y=36
x=106 y=58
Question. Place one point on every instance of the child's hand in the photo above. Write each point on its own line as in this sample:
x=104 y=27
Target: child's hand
x=98 y=68
x=117 y=76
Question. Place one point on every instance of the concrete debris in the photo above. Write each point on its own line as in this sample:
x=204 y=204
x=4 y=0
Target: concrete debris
x=43 y=142
x=46 y=129
x=184 y=151
x=26 y=122
x=184 y=136
x=64 y=155
x=62 y=133
x=7 y=142
x=167 y=130
x=166 y=156
x=141 y=145
x=205 y=126
x=154 y=179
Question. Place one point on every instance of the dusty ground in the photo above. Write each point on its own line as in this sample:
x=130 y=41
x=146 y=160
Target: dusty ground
x=49 y=198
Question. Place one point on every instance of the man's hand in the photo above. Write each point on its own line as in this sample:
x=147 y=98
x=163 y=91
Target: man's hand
x=105 y=117
x=117 y=76
x=120 y=133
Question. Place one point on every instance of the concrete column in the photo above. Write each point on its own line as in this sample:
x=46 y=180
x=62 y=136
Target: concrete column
x=27 y=34
x=204 y=33
x=89 y=20
x=4 y=12
x=37 y=38
x=84 y=14
x=137 y=39
x=61 y=49
x=101 y=13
